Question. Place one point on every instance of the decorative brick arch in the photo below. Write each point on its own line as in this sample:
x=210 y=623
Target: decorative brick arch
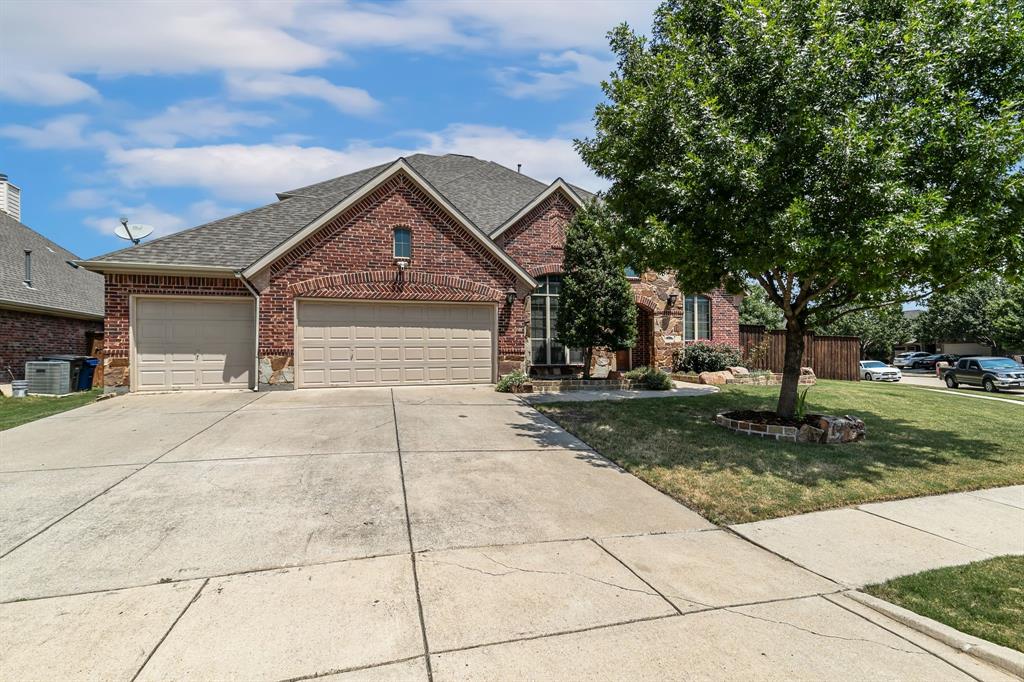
x=646 y=302
x=424 y=285
x=546 y=269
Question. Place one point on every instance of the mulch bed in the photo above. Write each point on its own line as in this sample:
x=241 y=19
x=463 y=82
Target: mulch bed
x=768 y=418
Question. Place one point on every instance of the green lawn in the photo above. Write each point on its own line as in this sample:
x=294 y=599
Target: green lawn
x=18 y=411
x=918 y=443
x=984 y=599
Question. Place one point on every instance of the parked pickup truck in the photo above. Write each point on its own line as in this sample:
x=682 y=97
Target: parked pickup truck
x=991 y=374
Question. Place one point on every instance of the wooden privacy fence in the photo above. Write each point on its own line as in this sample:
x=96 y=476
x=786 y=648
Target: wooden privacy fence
x=831 y=357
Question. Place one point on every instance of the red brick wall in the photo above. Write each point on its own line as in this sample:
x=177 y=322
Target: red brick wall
x=118 y=290
x=352 y=257
x=25 y=336
x=537 y=241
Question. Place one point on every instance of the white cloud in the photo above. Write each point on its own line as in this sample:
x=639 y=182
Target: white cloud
x=512 y=26
x=253 y=173
x=48 y=88
x=581 y=69
x=194 y=119
x=62 y=132
x=273 y=86
x=45 y=46
x=42 y=44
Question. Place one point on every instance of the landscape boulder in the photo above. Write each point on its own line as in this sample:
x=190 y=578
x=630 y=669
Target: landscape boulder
x=739 y=371
x=714 y=378
x=846 y=429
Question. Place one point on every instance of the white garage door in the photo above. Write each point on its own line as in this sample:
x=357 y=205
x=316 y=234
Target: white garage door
x=374 y=344
x=193 y=344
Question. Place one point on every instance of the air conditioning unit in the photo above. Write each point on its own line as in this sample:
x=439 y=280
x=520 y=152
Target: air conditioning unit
x=48 y=377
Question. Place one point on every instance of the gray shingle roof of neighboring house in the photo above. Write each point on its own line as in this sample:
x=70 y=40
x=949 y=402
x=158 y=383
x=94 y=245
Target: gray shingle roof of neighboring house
x=485 y=192
x=57 y=286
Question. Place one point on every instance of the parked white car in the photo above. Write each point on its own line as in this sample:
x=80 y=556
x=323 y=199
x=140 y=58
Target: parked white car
x=905 y=359
x=873 y=370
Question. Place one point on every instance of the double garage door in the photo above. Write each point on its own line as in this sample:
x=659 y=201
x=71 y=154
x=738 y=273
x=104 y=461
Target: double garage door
x=188 y=344
x=380 y=343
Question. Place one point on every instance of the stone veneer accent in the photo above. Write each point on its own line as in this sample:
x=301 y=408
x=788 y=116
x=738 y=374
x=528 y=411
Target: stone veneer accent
x=785 y=433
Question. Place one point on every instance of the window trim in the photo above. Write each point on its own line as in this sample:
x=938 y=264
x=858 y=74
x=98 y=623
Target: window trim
x=543 y=291
x=394 y=242
x=690 y=321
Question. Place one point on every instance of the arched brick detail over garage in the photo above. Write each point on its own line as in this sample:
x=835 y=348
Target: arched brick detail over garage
x=426 y=286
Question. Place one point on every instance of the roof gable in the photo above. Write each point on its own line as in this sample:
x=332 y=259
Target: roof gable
x=399 y=166
x=558 y=185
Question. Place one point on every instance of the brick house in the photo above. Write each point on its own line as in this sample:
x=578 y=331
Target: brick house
x=430 y=269
x=48 y=305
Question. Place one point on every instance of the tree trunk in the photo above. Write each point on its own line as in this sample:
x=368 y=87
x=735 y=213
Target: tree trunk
x=795 y=330
x=588 y=357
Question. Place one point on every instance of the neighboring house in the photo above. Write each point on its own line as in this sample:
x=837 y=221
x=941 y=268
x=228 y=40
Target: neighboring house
x=430 y=269
x=47 y=304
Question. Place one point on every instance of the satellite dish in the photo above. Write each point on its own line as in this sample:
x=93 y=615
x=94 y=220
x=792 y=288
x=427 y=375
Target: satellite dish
x=133 y=233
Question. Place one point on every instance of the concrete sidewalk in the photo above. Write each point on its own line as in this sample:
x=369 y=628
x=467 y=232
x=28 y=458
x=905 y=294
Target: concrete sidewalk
x=873 y=543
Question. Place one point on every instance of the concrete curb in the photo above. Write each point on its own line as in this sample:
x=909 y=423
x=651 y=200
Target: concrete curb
x=1009 y=660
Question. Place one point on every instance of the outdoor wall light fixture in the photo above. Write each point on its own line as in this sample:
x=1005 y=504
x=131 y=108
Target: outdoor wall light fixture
x=510 y=296
x=672 y=298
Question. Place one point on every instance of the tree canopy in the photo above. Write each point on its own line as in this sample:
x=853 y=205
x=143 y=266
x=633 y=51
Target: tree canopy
x=879 y=329
x=989 y=311
x=841 y=153
x=596 y=307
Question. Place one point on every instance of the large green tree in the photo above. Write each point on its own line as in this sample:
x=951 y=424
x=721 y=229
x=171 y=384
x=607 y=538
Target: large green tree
x=596 y=307
x=840 y=153
x=878 y=329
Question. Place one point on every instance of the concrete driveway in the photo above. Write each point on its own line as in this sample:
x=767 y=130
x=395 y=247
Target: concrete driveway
x=378 y=534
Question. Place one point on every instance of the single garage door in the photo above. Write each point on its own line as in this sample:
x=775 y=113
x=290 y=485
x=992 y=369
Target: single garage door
x=375 y=344
x=193 y=344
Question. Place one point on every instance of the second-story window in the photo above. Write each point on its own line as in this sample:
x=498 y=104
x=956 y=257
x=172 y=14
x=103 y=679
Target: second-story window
x=403 y=243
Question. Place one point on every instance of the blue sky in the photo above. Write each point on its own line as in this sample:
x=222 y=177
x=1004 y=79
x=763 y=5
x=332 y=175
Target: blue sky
x=176 y=113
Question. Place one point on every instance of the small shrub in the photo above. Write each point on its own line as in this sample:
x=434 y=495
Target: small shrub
x=510 y=381
x=651 y=378
x=705 y=357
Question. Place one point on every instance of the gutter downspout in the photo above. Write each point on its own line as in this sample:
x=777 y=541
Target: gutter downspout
x=256 y=346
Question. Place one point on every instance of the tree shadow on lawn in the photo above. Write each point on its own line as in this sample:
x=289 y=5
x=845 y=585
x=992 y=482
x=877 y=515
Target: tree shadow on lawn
x=683 y=435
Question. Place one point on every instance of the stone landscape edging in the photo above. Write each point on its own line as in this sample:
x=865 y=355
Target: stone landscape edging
x=784 y=433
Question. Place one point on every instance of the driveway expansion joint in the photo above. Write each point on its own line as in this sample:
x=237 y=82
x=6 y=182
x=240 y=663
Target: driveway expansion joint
x=412 y=549
x=193 y=600
x=922 y=530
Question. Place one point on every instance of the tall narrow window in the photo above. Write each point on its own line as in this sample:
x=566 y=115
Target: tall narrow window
x=697 y=318
x=545 y=348
x=403 y=243
x=28 y=268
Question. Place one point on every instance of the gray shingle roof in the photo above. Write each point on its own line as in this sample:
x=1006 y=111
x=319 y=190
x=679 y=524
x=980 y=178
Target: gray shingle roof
x=56 y=285
x=485 y=192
